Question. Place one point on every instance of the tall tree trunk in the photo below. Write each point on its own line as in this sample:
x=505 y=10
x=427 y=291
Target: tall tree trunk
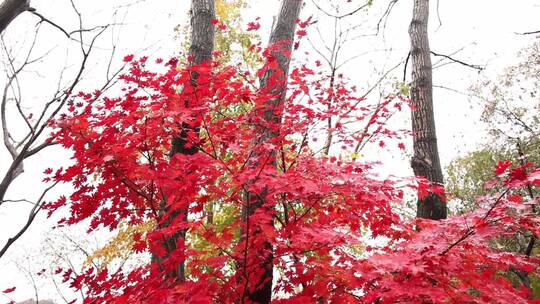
x=425 y=162
x=200 y=51
x=281 y=46
x=10 y=9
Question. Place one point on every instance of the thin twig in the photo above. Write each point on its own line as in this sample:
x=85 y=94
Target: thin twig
x=473 y=66
x=343 y=15
x=529 y=33
x=32 y=215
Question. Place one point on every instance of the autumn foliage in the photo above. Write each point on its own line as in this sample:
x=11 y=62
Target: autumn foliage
x=335 y=234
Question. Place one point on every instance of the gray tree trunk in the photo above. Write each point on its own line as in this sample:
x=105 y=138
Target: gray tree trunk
x=283 y=36
x=10 y=9
x=202 y=31
x=425 y=161
x=200 y=51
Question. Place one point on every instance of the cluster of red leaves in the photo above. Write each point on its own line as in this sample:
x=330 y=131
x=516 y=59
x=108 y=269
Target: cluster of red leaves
x=330 y=221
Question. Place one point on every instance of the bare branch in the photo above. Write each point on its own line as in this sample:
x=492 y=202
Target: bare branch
x=22 y=200
x=40 y=147
x=529 y=33
x=439 y=14
x=405 y=66
x=44 y=19
x=343 y=15
x=473 y=66
x=97 y=27
x=39 y=129
x=451 y=90
x=385 y=16
x=31 y=216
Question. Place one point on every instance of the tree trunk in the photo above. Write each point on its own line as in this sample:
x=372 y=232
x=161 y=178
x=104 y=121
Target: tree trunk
x=281 y=46
x=425 y=162
x=202 y=31
x=200 y=51
x=10 y=9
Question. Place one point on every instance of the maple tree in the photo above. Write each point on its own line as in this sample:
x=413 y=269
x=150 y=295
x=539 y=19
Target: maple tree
x=317 y=212
x=327 y=222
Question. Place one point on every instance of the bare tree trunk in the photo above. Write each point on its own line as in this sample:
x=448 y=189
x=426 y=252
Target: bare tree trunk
x=202 y=31
x=281 y=46
x=10 y=9
x=200 y=51
x=425 y=162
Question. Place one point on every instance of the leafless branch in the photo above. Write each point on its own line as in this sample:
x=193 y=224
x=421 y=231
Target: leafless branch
x=44 y=19
x=439 y=14
x=473 y=66
x=451 y=90
x=31 y=216
x=35 y=141
x=18 y=201
x=385 y=16
x=38 y=128
x=342 y=15
x=529 y=33
x=405 y=66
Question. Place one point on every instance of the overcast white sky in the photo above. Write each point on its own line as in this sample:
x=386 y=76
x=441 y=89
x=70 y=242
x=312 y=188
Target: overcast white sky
x=485 y=29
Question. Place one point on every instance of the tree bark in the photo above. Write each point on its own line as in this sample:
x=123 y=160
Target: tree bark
x=280 y=46
x=200 y=51
x=425 y=162
x=10 y=9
